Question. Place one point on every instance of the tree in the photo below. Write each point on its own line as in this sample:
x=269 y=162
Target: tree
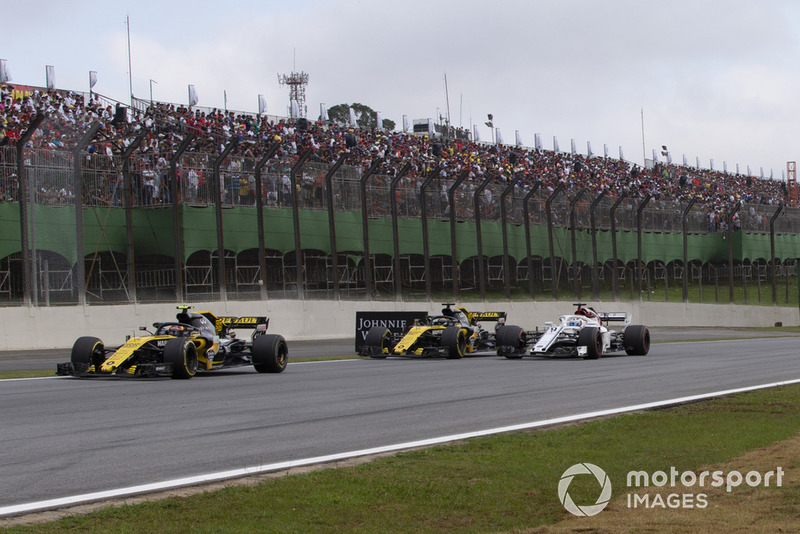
x=366 y=117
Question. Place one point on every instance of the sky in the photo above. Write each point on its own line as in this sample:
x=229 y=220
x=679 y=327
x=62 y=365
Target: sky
x=713 y=80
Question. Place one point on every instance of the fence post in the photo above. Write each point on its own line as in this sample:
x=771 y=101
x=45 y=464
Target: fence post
x=576 y=289
x=176 y=217
x=772 y=254
x=296 y=222
x=455 y=265
x=593 y=229
x=426 y=255
x=398 y=281
x=685 y=228
x=478 y=235
x=79 y=281
x=223 y=282
x=730 y=251
x=503 y=215
x=548 y=210
x=639 y=270
x=526 y=214
x=365 y=225
x=128 y=200
x=262 y=254
x=614 y=263
x=29 y=270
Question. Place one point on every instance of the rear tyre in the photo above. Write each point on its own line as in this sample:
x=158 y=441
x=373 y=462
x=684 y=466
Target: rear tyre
x=591 y=338
x=455 y=340
x=88 y=351
x=636 y=339
x=511 y=341
x=270 y=353
x=379 y=338
x=182 y=354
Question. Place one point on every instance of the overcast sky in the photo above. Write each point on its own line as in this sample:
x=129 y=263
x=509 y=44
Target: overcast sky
x=711 y=79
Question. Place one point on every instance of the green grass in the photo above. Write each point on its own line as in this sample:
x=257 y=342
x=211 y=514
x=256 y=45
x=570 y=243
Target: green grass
x=492 y=484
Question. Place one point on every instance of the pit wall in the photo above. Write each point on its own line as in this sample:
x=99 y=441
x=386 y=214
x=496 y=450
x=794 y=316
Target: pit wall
x=57 y=327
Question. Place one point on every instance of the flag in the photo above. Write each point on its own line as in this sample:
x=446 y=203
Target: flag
x=697 y=161
x=4 y=74
x=294 y=111
x=712 y=164
x=262 y=105
x=192 y=96
x=323 y=113
x=498 y=136
x=51 y=77
x=475 y=134
x=589 y=149
x=655 y=156
x=621 y=156
x=92 y=79
x=378 y=120
x=605 y=150
x=555 y=144
x=537 y=141
x=405 y=123
x=352 y=117
x=685 y=162
x=572 y=146
x=748 y=171
x=519 y=138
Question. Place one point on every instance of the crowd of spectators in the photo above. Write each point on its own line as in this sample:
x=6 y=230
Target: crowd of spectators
x=69 y=115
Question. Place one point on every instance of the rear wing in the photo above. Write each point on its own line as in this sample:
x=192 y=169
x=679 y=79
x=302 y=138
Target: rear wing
x=257 y=323
x=614 y=317
x=489 y=316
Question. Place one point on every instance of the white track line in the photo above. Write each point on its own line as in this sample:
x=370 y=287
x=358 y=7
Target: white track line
x=248 y=471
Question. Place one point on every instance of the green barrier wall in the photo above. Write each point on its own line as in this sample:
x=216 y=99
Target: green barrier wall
x=104 y=230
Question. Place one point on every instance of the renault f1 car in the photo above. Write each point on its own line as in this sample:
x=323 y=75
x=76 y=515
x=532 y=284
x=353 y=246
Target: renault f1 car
x=179 y=349
x=452 y=334
x=584 y=333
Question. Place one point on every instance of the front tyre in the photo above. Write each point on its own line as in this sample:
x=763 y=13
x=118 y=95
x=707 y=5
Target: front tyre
x=591 y=338
x=378 y=342
x=182 y=354
x=636 y=339
x=454 y=339
x=87 y=351
x=270 y=353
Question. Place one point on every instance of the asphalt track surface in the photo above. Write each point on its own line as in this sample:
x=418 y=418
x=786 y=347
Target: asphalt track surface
x=66 y=436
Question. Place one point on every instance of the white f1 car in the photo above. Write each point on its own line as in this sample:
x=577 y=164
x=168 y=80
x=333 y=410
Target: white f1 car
x=584 y=333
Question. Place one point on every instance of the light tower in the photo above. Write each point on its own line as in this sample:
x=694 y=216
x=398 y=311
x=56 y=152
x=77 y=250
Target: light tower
x=791 y=182
x=297 y=82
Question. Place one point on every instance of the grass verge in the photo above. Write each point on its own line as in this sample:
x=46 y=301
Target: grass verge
x=508 y=483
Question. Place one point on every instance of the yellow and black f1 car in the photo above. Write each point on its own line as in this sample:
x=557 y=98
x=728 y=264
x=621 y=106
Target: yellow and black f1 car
x=452 y=334
x=195 y=342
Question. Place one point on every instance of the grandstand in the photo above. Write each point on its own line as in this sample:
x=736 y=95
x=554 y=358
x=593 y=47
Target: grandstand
x=105 y=202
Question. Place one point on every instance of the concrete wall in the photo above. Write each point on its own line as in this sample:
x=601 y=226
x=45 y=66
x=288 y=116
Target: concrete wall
x=58 y=327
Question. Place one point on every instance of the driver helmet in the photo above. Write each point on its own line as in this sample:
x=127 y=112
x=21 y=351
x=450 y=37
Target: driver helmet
x=176 y=330
x=585 y=312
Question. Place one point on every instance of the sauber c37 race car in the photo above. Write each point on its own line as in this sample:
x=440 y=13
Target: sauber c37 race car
x=584 y=333
x=195 y=342
x=452 y=334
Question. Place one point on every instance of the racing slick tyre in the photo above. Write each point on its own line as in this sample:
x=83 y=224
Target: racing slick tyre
x=455 y=340
x=511 y=341
x=182 y=354
x=87 y=351
x=378 y=338
x=270 y=353
x=591 y=338
x=636 y=340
